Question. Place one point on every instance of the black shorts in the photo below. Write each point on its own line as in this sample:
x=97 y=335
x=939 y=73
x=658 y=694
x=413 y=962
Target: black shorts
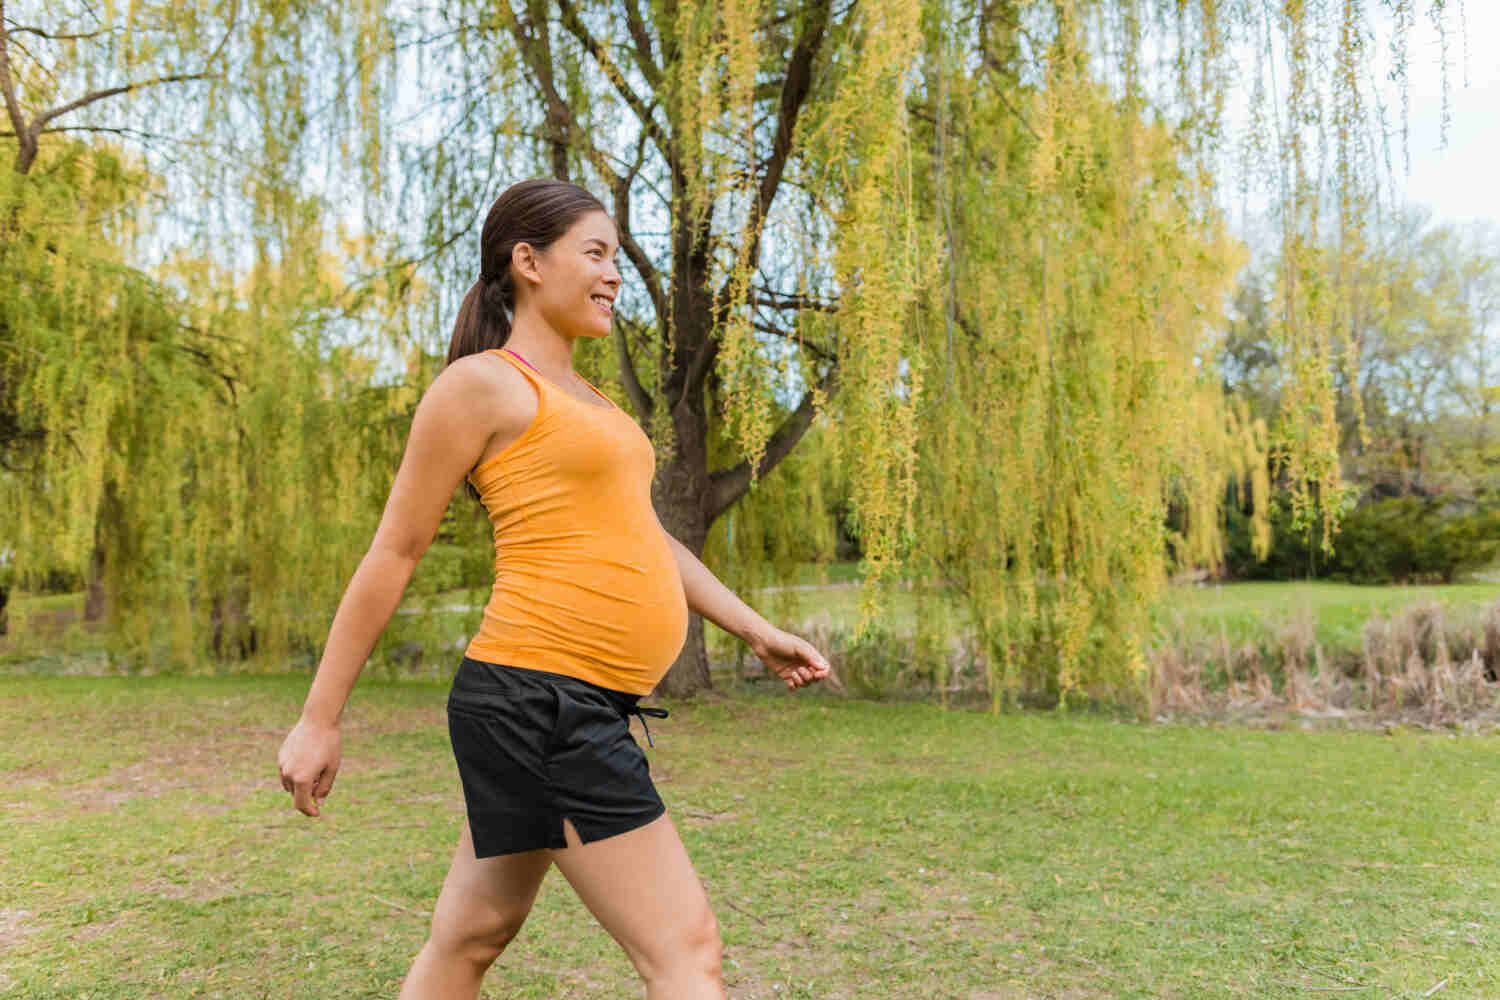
x=534 y=748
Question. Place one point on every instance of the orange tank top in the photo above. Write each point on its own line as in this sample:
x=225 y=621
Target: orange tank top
x=585 y=582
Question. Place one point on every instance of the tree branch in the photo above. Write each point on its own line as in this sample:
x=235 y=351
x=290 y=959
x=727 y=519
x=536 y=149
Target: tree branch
x=234 y=16
x=769 y=299
x=14 y=45
x=561 y=116
x=638 y=258
x=25 y=29
x=728 y=485
x=796 y=85
x=789 y=335
x=12 y=105
x=639 y=398
x=993 y=63
x=537 y=51
x=794 y=90
x=580 y=31
x=709 y=351
x=42 y=119
x=644 y=56
x=122 y=131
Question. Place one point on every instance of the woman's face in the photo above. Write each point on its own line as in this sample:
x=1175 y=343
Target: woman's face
x=578 y=279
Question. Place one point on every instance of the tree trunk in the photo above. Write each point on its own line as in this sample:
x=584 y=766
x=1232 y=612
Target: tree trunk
x=96 y=603
x=679 y=494
x=99 y=602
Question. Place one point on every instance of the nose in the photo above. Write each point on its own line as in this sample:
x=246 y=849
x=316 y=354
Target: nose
x=612 y=276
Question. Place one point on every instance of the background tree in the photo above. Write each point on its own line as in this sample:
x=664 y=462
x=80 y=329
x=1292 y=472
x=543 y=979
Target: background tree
x=974 y=240
x=1413 y=414
x=185 y=437
x=1424 y=337
x=1410 y=403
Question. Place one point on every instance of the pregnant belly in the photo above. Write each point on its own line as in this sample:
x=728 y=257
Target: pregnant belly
x=622 y=614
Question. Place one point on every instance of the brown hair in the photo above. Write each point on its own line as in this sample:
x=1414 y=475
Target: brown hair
x=535 y=212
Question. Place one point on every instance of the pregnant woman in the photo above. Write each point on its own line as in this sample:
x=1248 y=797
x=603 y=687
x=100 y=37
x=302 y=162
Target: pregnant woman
x=588 y=610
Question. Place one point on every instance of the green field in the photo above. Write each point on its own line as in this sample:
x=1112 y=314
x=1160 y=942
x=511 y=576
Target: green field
x=851 y=850
x=1339 y=610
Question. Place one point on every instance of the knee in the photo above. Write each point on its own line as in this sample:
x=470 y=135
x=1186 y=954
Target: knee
x=704 y=944
x=693 y=951
x=476 y=937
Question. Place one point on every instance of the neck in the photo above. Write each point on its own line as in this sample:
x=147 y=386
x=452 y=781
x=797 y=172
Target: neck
x=534 y=338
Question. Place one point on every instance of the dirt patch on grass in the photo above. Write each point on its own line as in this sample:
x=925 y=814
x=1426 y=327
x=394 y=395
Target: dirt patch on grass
x=695 y=818
x=168 y=770
x=384 y=719
x=228 y=771
x=205 y=887
x=13 y=926
x=99 y=929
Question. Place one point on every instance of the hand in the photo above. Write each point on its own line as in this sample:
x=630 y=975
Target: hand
x=308 y=760
x=792 y=659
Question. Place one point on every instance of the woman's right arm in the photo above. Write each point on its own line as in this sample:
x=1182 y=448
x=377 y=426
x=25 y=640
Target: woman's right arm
x=450 y=430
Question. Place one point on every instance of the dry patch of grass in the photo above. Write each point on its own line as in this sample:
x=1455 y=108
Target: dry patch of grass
x=1425 y=664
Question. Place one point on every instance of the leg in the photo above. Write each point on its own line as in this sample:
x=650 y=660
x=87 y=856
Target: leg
x=641 y=886
x=481 y=908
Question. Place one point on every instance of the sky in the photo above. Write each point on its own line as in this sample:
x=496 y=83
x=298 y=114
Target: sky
x=1462 y=181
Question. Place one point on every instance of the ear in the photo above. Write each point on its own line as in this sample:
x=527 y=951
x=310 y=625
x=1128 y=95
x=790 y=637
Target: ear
x=525 y=259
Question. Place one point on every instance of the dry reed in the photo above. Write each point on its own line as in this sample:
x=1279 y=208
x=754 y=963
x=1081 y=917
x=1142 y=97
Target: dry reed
x=1420 y=665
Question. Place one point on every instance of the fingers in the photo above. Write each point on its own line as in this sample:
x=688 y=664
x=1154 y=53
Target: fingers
x=308 y=794
x=813 y=667
x=795 y=661
x=323 y=786
x=308 y=762
x=302 y=796
x=801 y=676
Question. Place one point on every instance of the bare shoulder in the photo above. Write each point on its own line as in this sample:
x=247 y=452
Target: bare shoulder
x=483 y=385
x=484 y=391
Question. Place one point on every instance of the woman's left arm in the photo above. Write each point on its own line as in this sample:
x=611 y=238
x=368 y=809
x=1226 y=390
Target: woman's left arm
x=792 y=659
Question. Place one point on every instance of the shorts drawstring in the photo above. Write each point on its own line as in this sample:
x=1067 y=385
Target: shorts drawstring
x=641 y=711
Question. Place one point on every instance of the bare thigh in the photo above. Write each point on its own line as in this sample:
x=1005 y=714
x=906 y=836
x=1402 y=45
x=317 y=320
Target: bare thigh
x=485 y=900
x=641 y=886
x=483 y=904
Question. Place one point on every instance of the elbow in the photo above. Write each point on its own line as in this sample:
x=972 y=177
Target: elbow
x=402 y=554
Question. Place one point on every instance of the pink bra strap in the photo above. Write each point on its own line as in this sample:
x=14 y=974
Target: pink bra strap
x=523 y=361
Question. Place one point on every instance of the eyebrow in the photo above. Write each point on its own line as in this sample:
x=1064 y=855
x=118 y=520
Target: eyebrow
x=595 y=239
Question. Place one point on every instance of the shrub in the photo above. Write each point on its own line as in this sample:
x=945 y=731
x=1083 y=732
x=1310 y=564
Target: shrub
x=1396 y=540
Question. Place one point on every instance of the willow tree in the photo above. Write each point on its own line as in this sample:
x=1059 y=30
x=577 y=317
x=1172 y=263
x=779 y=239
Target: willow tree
x=907 y=217
x=755 y=159
x=176 y=427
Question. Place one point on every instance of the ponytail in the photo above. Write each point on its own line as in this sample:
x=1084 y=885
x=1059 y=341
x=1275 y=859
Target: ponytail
x=483 y=319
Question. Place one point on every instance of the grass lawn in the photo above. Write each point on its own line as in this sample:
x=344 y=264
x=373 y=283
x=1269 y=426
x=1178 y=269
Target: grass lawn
x=851 y=850
x=1339 y=610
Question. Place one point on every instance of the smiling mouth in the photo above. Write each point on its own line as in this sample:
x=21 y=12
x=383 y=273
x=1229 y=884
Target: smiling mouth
x=603 y=303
